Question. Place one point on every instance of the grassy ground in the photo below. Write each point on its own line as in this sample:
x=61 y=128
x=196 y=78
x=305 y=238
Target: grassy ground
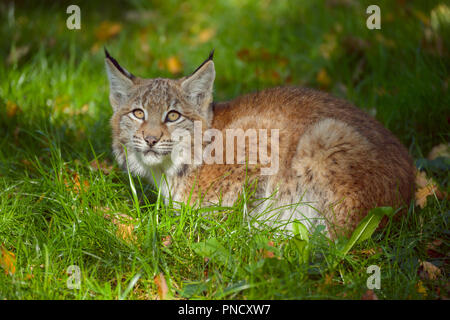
x=64 y=202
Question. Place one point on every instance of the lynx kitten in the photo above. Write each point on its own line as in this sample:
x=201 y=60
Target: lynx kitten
x=331 y=161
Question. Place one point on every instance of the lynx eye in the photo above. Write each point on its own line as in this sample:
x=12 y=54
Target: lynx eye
x=172 y=116
x=138 y=113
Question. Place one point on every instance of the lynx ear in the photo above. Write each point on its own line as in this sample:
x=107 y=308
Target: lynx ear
x=120 y=81
x=198 y=87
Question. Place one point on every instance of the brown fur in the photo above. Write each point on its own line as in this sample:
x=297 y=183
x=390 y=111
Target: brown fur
x=334 y=154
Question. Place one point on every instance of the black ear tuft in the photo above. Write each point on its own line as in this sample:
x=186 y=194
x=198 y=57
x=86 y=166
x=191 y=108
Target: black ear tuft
x=211 y=54
x=210 y=57
x=107 y=53
x=117 y=65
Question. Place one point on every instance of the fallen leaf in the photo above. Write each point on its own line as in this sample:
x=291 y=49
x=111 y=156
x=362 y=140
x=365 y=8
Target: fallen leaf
x=423 y=193
x=430 y=270
x=167 y=241
x=421 y=289
x=323 y=78
x=434 y=245
x=107 y=30
x=369 y=295
x=205 y=35
x=17 y=53
x=355 y=45
x=328 y=46
x=8 y=261
x=268 y=253
x=161 y=284
x=174 y=65
x=426 y=187
x=256 y=54
x=441 y=150
x=368 y=252
x=125 y=225
x=11 y=109
x=103 y=165
x=329 y=279
x=74 y=184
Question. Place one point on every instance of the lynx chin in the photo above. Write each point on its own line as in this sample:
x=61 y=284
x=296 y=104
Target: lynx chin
x=334 y=162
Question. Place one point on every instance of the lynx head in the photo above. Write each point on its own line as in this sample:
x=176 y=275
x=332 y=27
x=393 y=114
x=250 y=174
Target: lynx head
x=147 y=112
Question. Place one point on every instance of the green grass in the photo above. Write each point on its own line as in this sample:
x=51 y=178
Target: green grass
x=53 y=203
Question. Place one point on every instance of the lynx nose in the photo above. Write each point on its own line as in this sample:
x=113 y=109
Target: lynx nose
x=151 y=140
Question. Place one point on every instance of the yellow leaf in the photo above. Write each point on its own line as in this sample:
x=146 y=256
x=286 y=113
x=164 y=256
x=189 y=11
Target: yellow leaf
x=425 y=187
x=329 y=279
x=74 y=183
x=421 y=289
x=161 y=284
x=174 y=65
x=323 y=78
x=8 y=261
x=206 y=35
x=423 y=193
x=11 y=109
x=125 y=226
x=107 y=30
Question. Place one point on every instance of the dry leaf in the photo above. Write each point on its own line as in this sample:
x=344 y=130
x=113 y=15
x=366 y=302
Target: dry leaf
x=431 y=271
x=107 y=30
x=423 y=193
x=167 y=241
x=369 y=295
x=74 y=183
x=206 y=35
x=103 y=165
x=8 y=261
x=329 y=279
x=434 y=245
x=268 y=253
x=441 y=150
x=11 y=109
x=425 y=187
x=161 y=284
x=421 y=289
x=17 y=53
x=174 y=65
x=125 y=225
x=368 y=252
x=323 y=78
